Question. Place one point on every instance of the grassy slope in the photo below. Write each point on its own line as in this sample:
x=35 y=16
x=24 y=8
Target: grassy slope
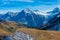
x=7 y=28
x=4 y=32
x=41 y=34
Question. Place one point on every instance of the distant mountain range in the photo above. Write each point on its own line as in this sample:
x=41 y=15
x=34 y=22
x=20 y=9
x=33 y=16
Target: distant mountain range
x=15 y=26
x=34 y=19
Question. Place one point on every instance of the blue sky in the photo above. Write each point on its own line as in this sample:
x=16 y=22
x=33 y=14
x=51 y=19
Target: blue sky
x=17 y=5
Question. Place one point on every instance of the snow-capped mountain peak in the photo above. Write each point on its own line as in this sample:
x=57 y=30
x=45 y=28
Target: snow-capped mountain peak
x=36 y=10
x=27 y=10
x=56 y=9
x=31 y=18
x=40 y=13
x=12 y=14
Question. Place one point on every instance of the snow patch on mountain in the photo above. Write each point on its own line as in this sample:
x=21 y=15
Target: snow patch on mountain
x=40 y=13
x=12 y=14
x=27 y=10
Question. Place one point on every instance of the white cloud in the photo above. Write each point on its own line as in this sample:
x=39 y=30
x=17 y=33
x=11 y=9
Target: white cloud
x=20 y=0
x=47 y=2
x=9 y=10
x=43 y=8
x=26 y=0
x=4 y=2
x=58 y=6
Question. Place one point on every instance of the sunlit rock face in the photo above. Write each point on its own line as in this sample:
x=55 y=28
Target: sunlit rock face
x=21 y=36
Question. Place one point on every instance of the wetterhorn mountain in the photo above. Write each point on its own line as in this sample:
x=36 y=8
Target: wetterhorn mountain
x=33 y=19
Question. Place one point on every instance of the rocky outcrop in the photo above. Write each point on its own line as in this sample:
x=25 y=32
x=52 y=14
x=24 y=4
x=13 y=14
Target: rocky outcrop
x=21 y=36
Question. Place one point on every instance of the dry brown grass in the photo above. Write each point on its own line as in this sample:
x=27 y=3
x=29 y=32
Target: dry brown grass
x=8 y=27
x=4 y=32
x=41 y=34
